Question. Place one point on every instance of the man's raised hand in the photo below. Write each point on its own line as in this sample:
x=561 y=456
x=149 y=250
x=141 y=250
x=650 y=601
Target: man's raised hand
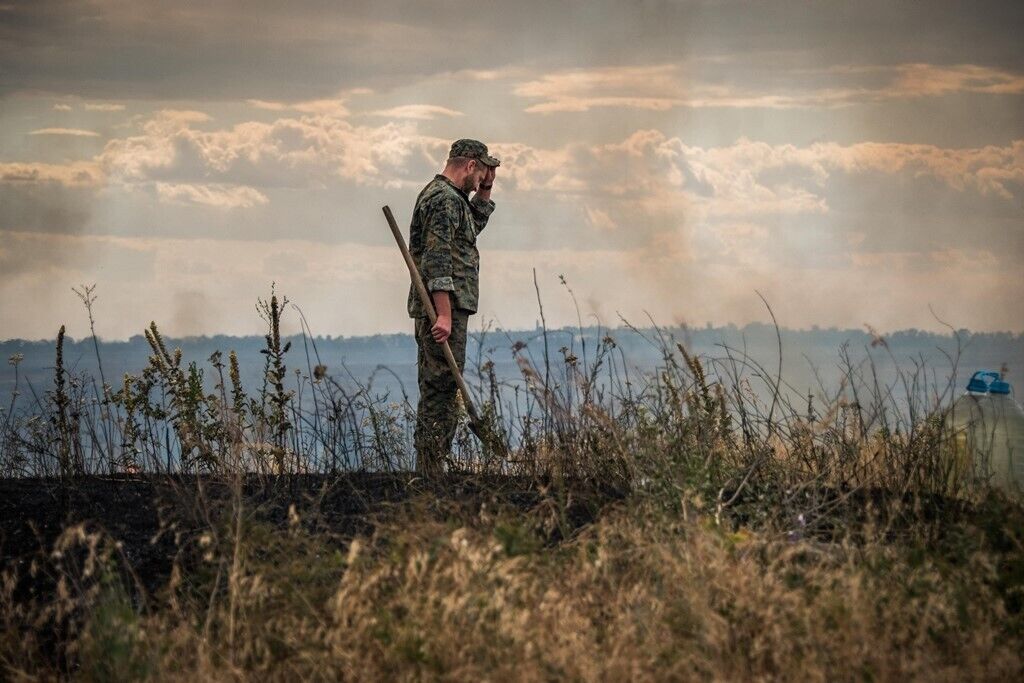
x=484 y=191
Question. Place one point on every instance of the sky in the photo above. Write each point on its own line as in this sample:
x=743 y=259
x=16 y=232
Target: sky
x=853 y=163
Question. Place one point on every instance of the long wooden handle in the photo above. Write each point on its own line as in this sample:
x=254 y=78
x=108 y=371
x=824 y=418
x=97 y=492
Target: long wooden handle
x=429 y=305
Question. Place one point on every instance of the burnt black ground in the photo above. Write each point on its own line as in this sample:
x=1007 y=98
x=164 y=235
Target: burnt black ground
x=152 y=516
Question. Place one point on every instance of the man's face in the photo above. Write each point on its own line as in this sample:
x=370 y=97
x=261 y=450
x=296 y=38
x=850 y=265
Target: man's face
x=477 y=171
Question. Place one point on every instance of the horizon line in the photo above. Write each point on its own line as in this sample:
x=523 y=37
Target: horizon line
x=692 y=328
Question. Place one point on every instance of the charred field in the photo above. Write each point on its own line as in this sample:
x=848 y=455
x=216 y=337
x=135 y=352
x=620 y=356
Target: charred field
x=153 y=519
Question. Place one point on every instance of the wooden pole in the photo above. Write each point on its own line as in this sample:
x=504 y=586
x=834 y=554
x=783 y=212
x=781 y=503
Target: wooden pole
x=474 y=417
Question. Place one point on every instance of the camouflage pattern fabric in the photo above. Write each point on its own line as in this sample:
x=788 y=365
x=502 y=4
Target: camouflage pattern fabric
x=442 y=241
x=472 y=149
x=437 y=415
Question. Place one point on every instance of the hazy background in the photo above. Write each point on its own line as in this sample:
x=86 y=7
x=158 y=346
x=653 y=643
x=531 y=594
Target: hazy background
x=903 y=370
x=854 y=162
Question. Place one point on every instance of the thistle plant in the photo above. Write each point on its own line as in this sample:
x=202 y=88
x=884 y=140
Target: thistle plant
x=188 y=404
x=130 y=399
x=237 y=392
x=64 y=417
x=276 y=417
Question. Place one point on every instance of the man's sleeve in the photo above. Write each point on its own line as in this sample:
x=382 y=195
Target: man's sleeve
x=440 y=219
x=482 y=209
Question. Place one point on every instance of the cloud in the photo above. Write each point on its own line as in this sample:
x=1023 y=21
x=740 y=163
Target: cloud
x=990 y=170
x=753 y=177
x=639 y=213
x=599 y=220
x=664 y=203
x=179 y=117
x=646 y=169
x=77 y=132
x=217 y=195
x=646 y=87
x=647 y=191
x=40 y=254
x=141 y=278
x=742 y=241
x=484 y=75
x=331 y=106
x=269 y=106
x=660 y=87
x=658 y=199
x=74 y=174
x=134 y=157
x=103 y=106
x=323 y=107
x=653 y=173
x=46 y=207
x=303 y=151
x=747 y=178
x=929 y=80
x=219 y=51
x=416 y=111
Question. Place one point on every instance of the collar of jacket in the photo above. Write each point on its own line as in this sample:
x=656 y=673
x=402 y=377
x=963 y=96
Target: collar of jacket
x=441 y=176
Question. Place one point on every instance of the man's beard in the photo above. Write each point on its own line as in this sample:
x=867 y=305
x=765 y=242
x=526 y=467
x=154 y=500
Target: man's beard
x=469 y=184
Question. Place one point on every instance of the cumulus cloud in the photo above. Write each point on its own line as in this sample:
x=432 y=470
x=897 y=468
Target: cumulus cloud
x=646 y=169
x=76 y=132
x=133 y=158
x=649 y=172
x=650 y=189
x=645 y=208
x=991 y=170
x=304 y=151
x=655 y=199
x=647 y=180
x=737 y=178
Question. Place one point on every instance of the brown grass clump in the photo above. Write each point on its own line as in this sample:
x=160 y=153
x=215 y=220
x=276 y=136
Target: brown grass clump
x=636 y=598
x=638 y=595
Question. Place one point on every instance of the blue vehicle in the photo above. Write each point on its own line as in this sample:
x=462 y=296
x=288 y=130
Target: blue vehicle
x=988 y=434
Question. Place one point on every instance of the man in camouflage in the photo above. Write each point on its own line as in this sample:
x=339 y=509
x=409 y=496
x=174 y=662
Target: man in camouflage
x=442 y=241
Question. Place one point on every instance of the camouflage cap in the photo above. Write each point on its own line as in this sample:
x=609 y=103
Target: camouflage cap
x=472 y=149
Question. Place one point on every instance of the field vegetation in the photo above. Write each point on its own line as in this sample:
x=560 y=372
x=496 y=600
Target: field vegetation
x=664 y=526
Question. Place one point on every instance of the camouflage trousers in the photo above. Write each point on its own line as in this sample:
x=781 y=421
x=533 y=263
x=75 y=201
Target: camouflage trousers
x=437 y=415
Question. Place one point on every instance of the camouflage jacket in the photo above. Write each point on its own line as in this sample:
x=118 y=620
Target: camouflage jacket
x=442 y=241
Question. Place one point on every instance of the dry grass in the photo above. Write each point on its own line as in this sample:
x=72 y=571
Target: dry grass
x=639 y=595
x=746 y=540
